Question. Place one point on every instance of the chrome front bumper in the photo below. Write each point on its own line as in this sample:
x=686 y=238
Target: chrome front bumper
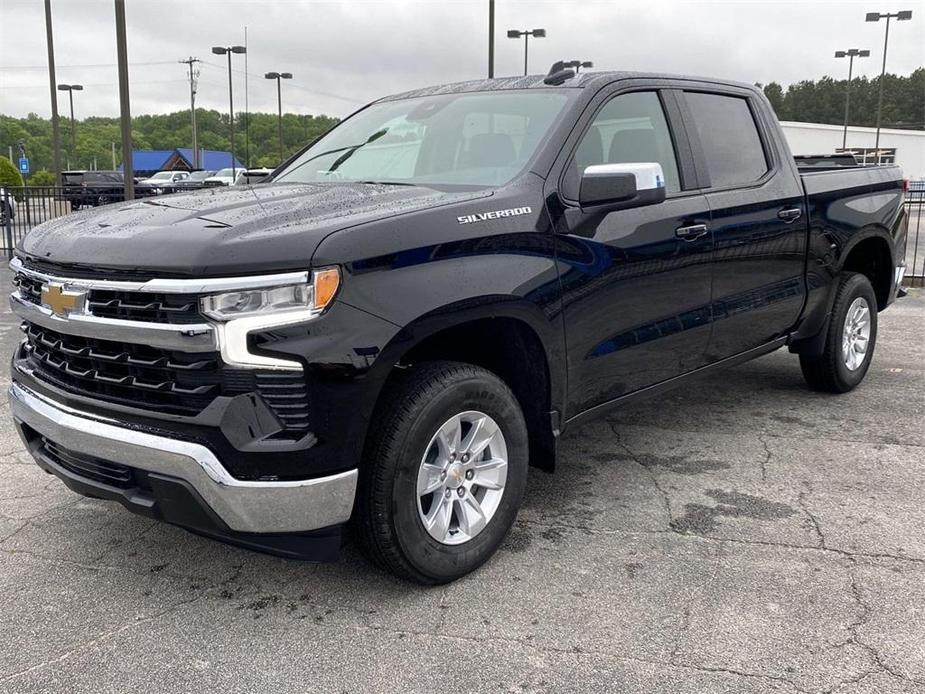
x=244 y=506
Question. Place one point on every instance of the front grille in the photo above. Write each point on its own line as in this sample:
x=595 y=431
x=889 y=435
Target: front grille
x=138 y=306
x=146 y=377
x=86 y=466
x=148 y=307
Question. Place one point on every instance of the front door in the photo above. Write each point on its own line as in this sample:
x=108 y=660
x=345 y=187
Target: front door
x=635 y=282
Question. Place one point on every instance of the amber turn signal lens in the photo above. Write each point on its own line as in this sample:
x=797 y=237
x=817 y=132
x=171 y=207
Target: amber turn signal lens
x=325 y=282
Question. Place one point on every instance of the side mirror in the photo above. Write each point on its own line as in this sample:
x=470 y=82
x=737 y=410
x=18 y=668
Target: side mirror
x=619 y=186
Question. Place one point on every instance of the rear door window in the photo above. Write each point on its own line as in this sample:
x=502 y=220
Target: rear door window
x=729 y=138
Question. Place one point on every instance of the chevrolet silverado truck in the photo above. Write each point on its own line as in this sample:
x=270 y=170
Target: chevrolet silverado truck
x=389 y=333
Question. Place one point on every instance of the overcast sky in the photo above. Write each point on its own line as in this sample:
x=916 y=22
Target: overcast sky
x=345 y=53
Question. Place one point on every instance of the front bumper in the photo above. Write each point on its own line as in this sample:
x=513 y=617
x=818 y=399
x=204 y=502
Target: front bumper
x=241 y=508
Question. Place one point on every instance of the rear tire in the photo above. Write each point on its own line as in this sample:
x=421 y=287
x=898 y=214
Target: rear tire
x=434 y=537
x=850 y=338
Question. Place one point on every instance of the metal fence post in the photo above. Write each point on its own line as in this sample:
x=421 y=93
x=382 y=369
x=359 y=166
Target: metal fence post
x=8 y=221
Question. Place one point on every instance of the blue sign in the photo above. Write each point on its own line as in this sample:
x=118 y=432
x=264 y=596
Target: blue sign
x=23 y=165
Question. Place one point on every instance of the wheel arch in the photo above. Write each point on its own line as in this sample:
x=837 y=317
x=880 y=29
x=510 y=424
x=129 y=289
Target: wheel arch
x=870 y=252
x=509 y=337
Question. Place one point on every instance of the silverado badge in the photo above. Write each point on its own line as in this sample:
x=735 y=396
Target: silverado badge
x=61 y=301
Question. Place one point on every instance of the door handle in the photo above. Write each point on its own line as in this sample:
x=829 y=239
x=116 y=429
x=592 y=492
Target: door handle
x=689 y=233
x=790 y=214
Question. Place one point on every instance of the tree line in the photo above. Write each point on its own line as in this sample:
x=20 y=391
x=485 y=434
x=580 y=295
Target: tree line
x=812 y=101
x=95 y=136
x=823 y=101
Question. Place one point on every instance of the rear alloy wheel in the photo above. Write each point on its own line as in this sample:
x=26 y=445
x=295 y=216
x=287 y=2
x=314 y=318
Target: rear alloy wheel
x=443 y=473
x=850 y=340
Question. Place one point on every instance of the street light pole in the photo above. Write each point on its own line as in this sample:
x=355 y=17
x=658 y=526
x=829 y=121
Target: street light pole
x=228 y=50
x=125 y=111
x=851 y=54
x=491 y=39
x=516 y=34
x=279 y=76
x=55 y=133
x=70 y=89
x=876 y=17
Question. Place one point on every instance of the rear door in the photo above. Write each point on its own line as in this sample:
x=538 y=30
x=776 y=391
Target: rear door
x=635 y=282
x=757 y=216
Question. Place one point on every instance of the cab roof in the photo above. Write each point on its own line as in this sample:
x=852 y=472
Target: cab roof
x=593 y=80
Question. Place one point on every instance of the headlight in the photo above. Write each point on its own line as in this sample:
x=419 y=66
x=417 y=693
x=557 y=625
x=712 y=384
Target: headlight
x=312 y=298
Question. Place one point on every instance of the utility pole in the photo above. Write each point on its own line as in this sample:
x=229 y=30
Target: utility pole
x=192 y=107
x=55 y=133
x=125 y=111
x=113 y=155
x=491 y=39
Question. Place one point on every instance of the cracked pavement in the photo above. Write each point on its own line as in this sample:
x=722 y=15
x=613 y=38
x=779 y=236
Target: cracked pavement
x=742 y=534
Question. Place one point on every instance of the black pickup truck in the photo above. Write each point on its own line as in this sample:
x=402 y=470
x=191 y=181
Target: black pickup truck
x=417 y=305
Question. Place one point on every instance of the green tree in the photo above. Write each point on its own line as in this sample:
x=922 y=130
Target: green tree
x=43 y=177
x=9 y=174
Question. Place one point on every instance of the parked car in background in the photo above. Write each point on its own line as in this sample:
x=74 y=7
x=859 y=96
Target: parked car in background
x=160 y=183
x=7 y=206
x=92 y=188
x=248 y=177
x=223 y=177
x=162 y=178
x=195 y=180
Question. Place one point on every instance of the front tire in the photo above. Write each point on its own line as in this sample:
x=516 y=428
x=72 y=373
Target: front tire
x=850 y=338
x=443 y=474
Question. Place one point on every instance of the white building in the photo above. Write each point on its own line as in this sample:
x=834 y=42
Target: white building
x=818 y=138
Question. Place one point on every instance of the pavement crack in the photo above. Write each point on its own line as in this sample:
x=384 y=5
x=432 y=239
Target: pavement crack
x=801 y=500
x=861 y=621
x=767 y=459
x=84 y=645
x=666 y=501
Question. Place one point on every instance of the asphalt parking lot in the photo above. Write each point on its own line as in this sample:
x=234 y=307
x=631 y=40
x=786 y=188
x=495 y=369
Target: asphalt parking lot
x=741 y=535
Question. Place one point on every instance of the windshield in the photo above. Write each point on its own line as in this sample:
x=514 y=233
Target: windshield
x=227 y=173
x=162 y=176
x=481 y=139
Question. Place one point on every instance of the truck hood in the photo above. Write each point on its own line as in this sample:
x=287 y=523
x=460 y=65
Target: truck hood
x=223 y=231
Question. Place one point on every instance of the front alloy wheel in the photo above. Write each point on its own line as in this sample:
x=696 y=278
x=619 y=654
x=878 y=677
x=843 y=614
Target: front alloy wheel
x=443 y=473
x=461 y=478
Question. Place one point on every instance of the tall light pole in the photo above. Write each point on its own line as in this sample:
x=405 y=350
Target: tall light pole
x=193 y=74
x=70 y=89
x=55 y=134
x=228 y=50
x=516 y=34
x=491 y=39
x=125 y=111
x=876 y=17
x=851 y=54
x=279 y=76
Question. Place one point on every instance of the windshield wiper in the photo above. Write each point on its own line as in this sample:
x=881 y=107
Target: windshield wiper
x=347 y=152
x=388 y=183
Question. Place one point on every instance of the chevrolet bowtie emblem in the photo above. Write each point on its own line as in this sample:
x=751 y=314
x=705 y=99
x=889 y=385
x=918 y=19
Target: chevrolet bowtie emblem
x=60 y=301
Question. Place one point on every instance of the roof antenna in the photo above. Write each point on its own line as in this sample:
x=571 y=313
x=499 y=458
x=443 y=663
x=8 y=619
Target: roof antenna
x=558 y=74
